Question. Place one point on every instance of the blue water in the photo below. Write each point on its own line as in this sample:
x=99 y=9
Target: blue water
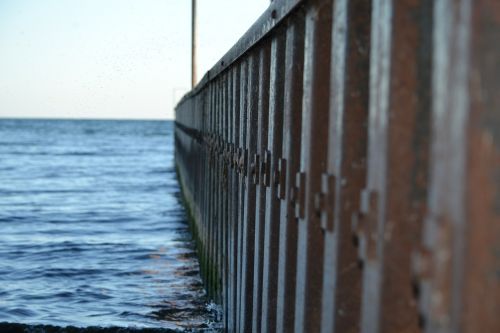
x=92 y=230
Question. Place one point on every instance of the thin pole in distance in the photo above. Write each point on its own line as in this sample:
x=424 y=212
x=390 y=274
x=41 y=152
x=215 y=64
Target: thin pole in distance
x=194 y=37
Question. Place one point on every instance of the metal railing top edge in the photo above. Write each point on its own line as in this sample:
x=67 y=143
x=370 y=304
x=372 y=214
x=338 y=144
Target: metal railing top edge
x=277 y=11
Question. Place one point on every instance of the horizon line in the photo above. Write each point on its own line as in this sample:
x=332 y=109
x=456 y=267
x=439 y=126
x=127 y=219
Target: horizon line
x=84 y=118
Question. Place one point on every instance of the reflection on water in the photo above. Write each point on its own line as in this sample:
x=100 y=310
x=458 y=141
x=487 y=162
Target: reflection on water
x=92 y=229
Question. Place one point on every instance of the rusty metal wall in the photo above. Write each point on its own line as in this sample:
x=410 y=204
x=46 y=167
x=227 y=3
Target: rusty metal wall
x=341 y=164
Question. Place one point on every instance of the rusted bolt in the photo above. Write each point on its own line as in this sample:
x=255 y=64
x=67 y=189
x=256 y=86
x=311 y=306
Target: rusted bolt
x=359 y=233
x=266 y=169
x=364 y=225
x=241 y=161
x=263 y=170
x=237 y=158
x=300 y=184
x=232 y=156
x=255 y=168
x=293 y=195
x=326 y=201
x=228 y=155
x=319 y=203
x=280 y=179
x=276 y=177
x=220 y=145
x=357 y=226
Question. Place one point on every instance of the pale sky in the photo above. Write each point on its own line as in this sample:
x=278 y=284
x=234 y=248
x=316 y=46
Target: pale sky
x=109 y=58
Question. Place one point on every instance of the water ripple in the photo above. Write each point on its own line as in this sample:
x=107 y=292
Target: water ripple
x=93 y=231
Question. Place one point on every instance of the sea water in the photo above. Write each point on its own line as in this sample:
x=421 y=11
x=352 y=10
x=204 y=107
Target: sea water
x=92 y=228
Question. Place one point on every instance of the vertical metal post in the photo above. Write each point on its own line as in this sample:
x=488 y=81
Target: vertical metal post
x=270 y=163
x=260 y=201
x=194 y=42
x=314 y=132
x=290 y=165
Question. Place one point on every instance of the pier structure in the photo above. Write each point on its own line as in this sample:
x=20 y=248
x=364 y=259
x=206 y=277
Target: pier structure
x=341 y=165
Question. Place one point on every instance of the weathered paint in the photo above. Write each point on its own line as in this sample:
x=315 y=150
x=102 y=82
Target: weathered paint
x=341 y=167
